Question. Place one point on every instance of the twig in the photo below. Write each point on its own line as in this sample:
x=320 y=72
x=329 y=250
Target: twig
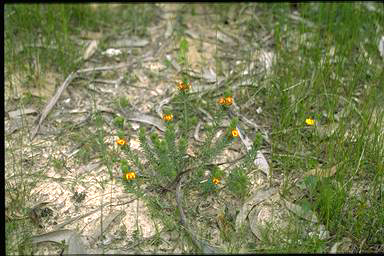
x=204 y=247
x=53 y=101
x=67 y=81
x=122 y=65
x=59 y=226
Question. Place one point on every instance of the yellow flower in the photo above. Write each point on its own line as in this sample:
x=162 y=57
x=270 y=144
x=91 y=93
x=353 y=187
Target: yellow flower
x=228 y=100
x=215 y=181
x=121 y=142
x=310 y=121
x=130 y=175
x=168 y=117
x=235 y=133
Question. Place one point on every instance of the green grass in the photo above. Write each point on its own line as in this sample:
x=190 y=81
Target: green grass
x=40 y=37
x=320 y=72
x=327 y=89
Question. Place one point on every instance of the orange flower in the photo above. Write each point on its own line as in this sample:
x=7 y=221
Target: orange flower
x=130 y=175
x=221 y=101
x=235 y=133
x=182 y=86
x=121 y=142
x=168 y=117
x=215 y=181
x=228 y=100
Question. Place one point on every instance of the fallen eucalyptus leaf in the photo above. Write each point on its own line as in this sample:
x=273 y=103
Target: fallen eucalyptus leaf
x=130 y=42
x=299 y=211
x=255 y=199
x=322 y=172
x=343 y=246
x=260 y=161
x=12 y=126
x=192 y=34
x=209 y=75
x=267 y=215
x=91 y=35
x=267 y=59
x=321 y=233
x=143 y=118
x=224 y=38
x=71 y=238
x=381 y=47
x=91 y=49
x=100 y=228
x=169 y=29
x=135 y=116
x=19 y=112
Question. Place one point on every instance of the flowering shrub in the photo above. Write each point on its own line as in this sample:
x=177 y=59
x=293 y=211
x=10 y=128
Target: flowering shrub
x=166 y=158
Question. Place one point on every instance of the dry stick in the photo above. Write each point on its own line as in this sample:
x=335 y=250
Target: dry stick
x=60 y=90
x=53 y=101
x=59 y=226
x=122 y=65
x=204 y=247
